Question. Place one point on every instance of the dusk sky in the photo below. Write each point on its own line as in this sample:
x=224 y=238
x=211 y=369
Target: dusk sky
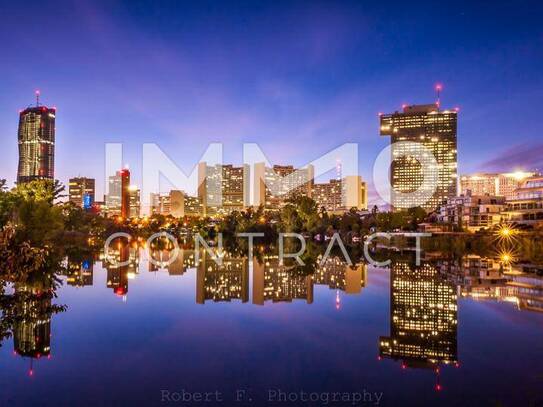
x=298 y=78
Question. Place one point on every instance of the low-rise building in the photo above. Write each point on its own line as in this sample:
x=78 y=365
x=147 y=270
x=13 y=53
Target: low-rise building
x=494 y=184
x=526 y=207
x=473 y=212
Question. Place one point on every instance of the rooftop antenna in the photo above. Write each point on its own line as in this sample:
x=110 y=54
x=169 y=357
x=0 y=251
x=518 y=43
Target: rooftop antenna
x=37 y=98
x=439 y=88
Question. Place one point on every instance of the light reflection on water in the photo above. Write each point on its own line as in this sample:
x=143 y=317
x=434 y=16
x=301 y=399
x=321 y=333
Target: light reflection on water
x=445 y=331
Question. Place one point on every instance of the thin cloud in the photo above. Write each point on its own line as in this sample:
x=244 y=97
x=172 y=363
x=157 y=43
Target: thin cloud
x=519 y=157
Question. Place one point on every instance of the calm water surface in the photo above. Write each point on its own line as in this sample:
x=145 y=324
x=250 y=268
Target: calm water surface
x=413 y=335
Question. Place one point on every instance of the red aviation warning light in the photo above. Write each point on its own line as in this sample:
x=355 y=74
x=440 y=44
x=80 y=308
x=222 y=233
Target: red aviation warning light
x=438 y=88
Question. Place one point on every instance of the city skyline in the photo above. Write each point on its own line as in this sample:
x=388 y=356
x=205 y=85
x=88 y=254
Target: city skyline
x=179 y=97
x=271 y=203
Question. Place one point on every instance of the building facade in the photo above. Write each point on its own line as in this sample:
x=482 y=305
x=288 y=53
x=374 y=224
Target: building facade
x=473 y=212
x=36 y=144
x=134 y=201
x=434 y=131
x=274 y=186
x=223 y=188
x=526 y=207
x=81 y=191
x=341 y=195
x=118 y=197
x=502 y=184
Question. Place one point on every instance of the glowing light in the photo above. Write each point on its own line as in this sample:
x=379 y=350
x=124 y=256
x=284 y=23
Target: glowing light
x=438 y=387
x=506 y=232
x=31 y=372
x=439 y=86
x=520 y=175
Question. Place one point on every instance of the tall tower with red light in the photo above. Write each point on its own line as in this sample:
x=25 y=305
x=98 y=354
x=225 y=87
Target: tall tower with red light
x=36 y=137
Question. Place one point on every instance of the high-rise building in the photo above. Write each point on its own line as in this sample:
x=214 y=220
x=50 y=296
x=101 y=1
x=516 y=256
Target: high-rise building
x=113 y=197
x=223 y=188
x=192 y=206
x=328 y=195
x=341 y=195
x=118 y=197
x=82 y=191
x=274 y=186
x=503 y=184
x=36 y=143
x=135 y=201
x=434 y=130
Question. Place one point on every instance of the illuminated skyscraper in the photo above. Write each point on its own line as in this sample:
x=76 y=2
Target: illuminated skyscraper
x=135 y=202
x=433 y=129
x=36 y=143
x=223 y=188
x=118 y=197
x=81 y=191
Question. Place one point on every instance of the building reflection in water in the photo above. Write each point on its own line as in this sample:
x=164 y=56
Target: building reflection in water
x=338 y=275
x=121 y=265
x=80 y=273
x=177 y=266
x=225 y=282
x=279 y=283
x=423 y=318
x=483 y=278
x=423 y=299
x=29 y=311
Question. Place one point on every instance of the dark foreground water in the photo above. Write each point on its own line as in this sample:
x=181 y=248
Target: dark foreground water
x=404 y=335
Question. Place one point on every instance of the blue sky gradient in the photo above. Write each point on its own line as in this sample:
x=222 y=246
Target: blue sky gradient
x=299 y=78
